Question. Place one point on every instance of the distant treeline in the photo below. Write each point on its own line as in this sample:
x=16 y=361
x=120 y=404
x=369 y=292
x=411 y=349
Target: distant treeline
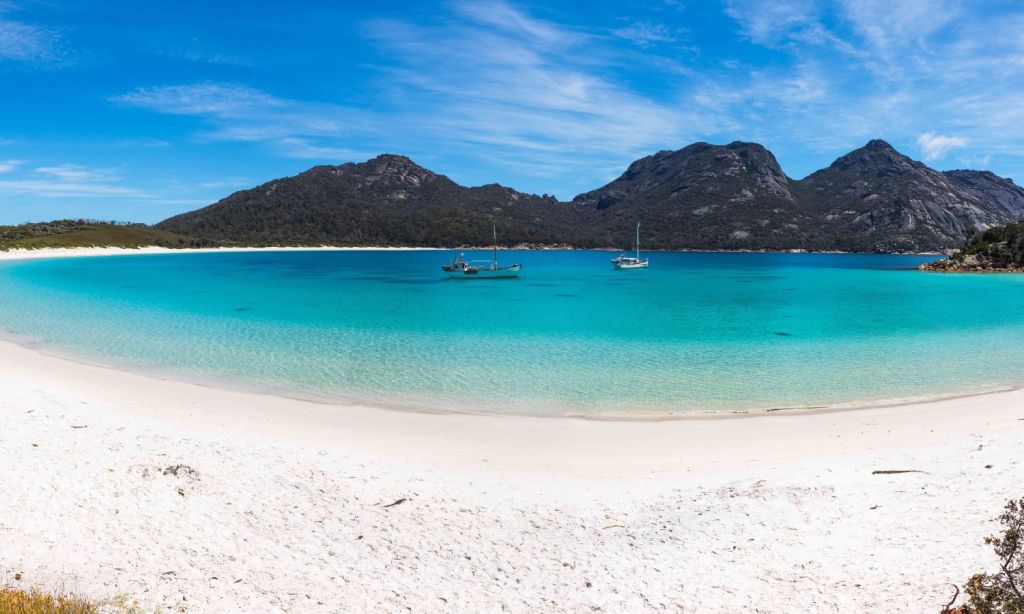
x=91 y=233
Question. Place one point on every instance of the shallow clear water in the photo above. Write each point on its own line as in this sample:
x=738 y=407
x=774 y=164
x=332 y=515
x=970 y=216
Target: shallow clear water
x=695 y=332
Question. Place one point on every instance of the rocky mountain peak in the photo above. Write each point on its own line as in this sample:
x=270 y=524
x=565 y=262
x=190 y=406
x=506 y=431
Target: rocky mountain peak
x=877 y=156
x=703 y=196
x=392 y=169
x=880 y=145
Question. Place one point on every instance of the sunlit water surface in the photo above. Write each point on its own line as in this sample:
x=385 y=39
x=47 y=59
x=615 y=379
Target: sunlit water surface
x=695 y=332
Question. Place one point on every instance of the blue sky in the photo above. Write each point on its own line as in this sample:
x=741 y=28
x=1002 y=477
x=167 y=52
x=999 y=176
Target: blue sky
x=136 y=110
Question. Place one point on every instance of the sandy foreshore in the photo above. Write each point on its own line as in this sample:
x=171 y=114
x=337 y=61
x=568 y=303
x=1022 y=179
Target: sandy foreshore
x=180 y=497
x=171 y=496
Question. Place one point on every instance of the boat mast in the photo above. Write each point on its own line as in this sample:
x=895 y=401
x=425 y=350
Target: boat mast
x=494 y=258
x=638 y=240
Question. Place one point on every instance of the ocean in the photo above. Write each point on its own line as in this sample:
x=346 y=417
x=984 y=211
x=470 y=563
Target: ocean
x=696 y=332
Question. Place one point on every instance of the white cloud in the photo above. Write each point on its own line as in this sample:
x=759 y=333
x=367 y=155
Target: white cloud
x=216 y=99
x=975 y=161
x=505 y=86
x=506 y=18
x=938 y=74
x=59 y=188
x=69 y=180
x=295 y=147
x=77 y=172
x=771 y=22
x=646 y=34
x=194 y=50
x=244 y=114
x=7 y=166
x=23 y=42
x=885 y=25
x=527 y=93
x=227 y=182
x=510 y=89
x=936 y=146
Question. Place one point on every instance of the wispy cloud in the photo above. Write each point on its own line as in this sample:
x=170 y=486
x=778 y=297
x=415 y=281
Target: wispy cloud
x=507 y=19
x=499 y=86
x=906 y=25
x=506 y=87
x=772 y=23
x=23 y=42
x=57 y=189
x=224 y=100
x=936 y=146
x=68 y=180
x=974 y=161
x=227 y=182
x=531 y=92
x=914 y=71
x=237 y=112
x=77 y=172
x=142 y=142
x=647 y=34
x=7 y=166
x=195 y=50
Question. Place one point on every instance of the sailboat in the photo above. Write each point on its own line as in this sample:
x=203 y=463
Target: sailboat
x=629 y=262
x=461 y=268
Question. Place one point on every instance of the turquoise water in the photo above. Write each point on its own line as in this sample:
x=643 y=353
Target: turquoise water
x=695 y=332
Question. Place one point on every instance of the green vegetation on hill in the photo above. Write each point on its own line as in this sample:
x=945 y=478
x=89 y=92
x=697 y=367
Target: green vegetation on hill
x=710 y=197
x=387 y=201
x=91 y=233
x=701 y=197
x=1000 y=248
x=1003 y=246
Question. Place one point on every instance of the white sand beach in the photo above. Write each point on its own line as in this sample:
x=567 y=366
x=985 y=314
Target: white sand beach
x=178 y=497
x=727 y=317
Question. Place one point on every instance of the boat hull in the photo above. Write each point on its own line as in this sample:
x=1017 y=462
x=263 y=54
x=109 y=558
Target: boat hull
x=624 y=266
x=486 y=273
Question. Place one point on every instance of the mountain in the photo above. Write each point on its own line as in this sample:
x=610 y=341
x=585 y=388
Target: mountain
x=736 y=196
x=388 y=200
x=875 y=198
x=989 y=187
x=703 y=196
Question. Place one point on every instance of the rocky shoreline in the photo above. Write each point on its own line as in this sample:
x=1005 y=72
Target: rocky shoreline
x=971 y=263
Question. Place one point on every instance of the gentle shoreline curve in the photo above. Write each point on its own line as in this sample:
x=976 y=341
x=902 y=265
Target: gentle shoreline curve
x=435 y=408
x=568 y=445
x=187 y=497
x=79 y=252
x=174 y=496
x=414 y=403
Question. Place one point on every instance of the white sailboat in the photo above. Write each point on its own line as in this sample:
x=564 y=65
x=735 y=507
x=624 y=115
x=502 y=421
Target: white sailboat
x=629 y=262
x=461 y=268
